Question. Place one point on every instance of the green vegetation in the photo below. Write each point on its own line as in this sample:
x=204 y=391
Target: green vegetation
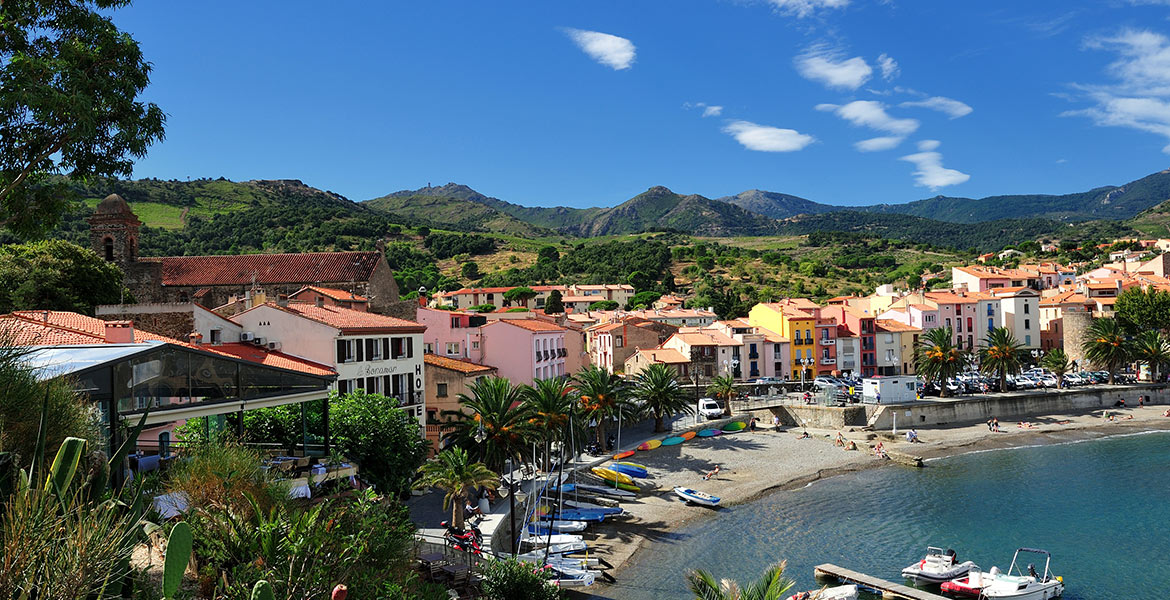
x=603 y=396
x=1001 y=354
x=515 y=580
x=772 y=585
x=1151 y=348
x=493 y=413
x=660 y=394
x=938 y=359
x=1143 y=310
x=57 y=275
x=453 y=472
x=1105 y=345
x=1057 y=361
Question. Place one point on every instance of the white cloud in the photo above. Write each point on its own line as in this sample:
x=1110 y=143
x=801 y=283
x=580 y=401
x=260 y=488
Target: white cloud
x=767 y=139
x=888 y=66
x=828 y=66
x=948 y=106
x=805 y=8
x=872 y=114
x=712 y=111
x=930 y=172
x=1140 y=96
x=612 y=51
x=878 y=144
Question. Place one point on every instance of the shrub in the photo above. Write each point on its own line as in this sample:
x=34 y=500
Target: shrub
x=223 y=476
x=382 y=438
x=515 y=580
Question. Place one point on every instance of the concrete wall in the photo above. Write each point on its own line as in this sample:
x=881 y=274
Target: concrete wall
x=1015 y=406
x=817 y=417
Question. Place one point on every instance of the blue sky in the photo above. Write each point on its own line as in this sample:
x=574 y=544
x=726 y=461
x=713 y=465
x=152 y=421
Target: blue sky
x=590 y=103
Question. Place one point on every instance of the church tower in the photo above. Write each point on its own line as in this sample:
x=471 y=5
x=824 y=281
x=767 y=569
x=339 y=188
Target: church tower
x=113 y=231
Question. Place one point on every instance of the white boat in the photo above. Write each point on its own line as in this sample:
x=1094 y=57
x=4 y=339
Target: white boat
x=1025 y=583
x=696 y=497
x=841 y=592
x=556 y=538
x=938 y=566
x=572 y=578
x=560 y=526
x=537 y=557
x=561 y=548
x=607 y=509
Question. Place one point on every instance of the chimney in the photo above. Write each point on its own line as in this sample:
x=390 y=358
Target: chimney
x=258 y=298
x=119 y=332
x=320 y=302
x=195 y=338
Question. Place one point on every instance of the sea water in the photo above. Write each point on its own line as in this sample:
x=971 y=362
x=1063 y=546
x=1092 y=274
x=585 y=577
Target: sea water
x=1101 y=507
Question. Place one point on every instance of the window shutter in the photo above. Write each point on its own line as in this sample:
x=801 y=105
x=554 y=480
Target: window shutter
x=359 y=345
x=370 y=348
x=386 y=348
x=409 y=347
x=341 y=357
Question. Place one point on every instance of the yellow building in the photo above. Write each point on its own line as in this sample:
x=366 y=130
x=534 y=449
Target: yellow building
x=796 y=324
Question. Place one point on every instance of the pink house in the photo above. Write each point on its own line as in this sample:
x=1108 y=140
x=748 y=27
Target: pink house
x=451 y=333
x=524 y=350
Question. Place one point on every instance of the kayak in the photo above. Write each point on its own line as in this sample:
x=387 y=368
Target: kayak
x=574 y=514
x=690 y=435
x=631 y=464
x=710 y=433
x=611 y=475
x=650 y=445
x=734 y=426
x=598 y=490
x=629 y=487
x=696 y=497
x=632 y=471
x=558 y=526
x=673 y=440
x=621 y=455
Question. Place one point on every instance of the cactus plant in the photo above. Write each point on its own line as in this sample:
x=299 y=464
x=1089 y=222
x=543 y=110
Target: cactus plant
x=178 y=555
x=262 y=591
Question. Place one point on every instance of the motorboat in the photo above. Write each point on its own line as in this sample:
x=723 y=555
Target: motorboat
x=841 y=592
x=696 y=497
x=938 y=566
x=971 y=585
x=1026 y=583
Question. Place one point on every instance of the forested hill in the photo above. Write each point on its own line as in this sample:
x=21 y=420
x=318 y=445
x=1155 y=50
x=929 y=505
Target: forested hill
x=661 y=209
x=459 y=207
x=1109 y=202
x=777 y=205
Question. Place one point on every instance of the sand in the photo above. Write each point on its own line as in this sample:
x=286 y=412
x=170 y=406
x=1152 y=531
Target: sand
x=755 y=463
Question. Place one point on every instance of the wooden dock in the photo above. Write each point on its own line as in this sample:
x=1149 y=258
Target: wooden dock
x=889 y=590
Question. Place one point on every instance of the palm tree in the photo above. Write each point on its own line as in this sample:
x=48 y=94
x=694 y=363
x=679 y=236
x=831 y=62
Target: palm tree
x=660 y=394
x=1057 y=362
x=773 y=585
x=454 y=472
x=1105 y=344
x=723 y=386
x=548 y=402
x=1000 y=354
x=1152 y=347
x=937 y=357
x=603 y=395
x=493 y=424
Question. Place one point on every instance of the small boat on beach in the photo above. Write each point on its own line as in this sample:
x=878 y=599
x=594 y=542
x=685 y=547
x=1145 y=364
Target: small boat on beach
x=650 y=445
x=734 y=426
x=938 y=566
x=573 y=514
x=611 y=475
x=696 y=497
x=598 y=490
x=841 y=592
x=579 y=505
x=557 y=527
x=689 y=435
x=673 y=440
x=621 y=455
x=632 y=471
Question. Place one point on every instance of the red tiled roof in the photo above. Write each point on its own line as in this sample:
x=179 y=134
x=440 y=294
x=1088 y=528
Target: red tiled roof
x=455 y=364
x=668 y=356
x=268 y=268
x=271 y=358
x=71 y=325
x=891 y=325
x=333 y=293
x=346 y=319
x=532 y=325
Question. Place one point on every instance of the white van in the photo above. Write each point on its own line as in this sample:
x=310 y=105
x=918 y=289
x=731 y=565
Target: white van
x=709 y=408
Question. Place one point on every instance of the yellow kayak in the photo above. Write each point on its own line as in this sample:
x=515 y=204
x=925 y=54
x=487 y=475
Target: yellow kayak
x=630 y=464
x=611 y=475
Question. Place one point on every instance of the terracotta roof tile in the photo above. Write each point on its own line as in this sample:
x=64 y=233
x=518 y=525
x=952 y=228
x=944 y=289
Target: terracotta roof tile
x=894 y=326
x=668 y=356
x=346 y=319
x=267 y=268
x=271 y=358
x=333 y=293
x=454 y=364
x=532 y=325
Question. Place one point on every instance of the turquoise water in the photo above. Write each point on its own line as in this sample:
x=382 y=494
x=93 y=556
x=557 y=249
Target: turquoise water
x=1101 y=507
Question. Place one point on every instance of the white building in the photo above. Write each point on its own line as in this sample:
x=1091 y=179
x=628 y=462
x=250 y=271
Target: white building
x=371 y=352
x=889 y=390
x=1021 y=314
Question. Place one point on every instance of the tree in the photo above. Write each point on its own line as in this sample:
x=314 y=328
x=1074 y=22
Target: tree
x=1105 y=345
x=494 y=414
x=68 y=105
x=548 y=402
x=57 y=275
x=657 y=389
x=603 y=397
x=773 y=585
x=1142 y=310
x=470 y=270
x=723 y=386
x=1057 y=361
x=937 y=358
x=454 y=472
x=482 y=308
x=423 y=231
x=640 y=281
x=1000 y=354
x=520 y=295
x=1152 y=348
x=644 y=300
x=555 y=304
x=548 y=254
x=382 y=438
x=604 y=305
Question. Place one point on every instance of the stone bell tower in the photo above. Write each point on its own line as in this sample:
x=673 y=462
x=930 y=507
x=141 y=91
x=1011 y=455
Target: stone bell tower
x=113 y=231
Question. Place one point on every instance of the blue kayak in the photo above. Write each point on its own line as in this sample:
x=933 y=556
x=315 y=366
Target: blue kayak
x=578 y=514
x=632 y=471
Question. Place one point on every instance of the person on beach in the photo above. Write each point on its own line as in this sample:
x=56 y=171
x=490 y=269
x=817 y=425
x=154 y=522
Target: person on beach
x=1166 y=413
x=711 y=473
x=1141 y=401
x=776 y=422
x=840 y=441
x=752 y=425
x=852 y=445
x=880 y=450
x=989 y=424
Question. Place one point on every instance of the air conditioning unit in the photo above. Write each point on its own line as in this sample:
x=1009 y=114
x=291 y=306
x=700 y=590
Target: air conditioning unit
x=260 y=341
x=274 y=345
x=247 y=336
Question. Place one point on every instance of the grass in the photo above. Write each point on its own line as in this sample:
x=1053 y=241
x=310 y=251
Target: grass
x=169 y=216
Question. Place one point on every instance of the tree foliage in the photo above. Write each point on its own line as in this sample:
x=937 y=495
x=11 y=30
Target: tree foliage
x=515 y=580
x=938 y=359
x=555 y=304
x=384 y=439
x=453 y=471
x=659 y=394
x=603 y=397
x=57 y=275
x=1142 y=310
x=494 y=411
x=772 y=585
x=1105 y=344
x=69 y=103
x=1001 y=354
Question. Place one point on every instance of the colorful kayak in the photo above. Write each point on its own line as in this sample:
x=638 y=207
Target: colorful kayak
x=673 y=440
x=652 y=444
x=638 y=472
x=710 y=433
x=611 y=475
x=621 y=455
x=690 y=435
x=598 y=490
x=629 y=487
x=734 y=426
x=631 y=464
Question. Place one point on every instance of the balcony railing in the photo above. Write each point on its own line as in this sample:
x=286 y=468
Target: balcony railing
x=753 y=354
x=828 y=361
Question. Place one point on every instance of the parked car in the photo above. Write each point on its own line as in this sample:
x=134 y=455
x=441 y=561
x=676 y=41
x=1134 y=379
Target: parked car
x=1049 y=380
x=709 y=408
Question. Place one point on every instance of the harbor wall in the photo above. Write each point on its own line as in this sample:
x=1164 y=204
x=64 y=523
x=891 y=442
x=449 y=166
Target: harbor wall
x=817 y=417
x=1014 y=406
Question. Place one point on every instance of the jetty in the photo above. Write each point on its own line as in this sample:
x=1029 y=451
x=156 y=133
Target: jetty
x=888 y=589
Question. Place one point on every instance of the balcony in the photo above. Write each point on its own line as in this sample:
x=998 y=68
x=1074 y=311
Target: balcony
x=828 y=361
x=538 y=356
x=753 y=355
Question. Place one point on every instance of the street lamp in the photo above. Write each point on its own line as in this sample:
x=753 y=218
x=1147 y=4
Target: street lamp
x=480 y=434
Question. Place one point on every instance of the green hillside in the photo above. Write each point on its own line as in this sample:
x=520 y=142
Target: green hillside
x=777 y=205
x=451 y=207
x=661 y=209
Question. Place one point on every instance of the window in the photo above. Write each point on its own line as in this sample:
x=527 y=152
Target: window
x=441 y=390
x=824 y=336
x=825 y=354
x=345 y=351
x=948 y=323
x=617 y=341
x=429 y=348
x=343 y=386
x=970 y=324
x=706 y=370
x=1027 y=323
x=1027 y=340
x=108 y=245
x=216 y=336
x=959 y=323
x=452 y=348
x=970 y=343
x=808 y=334
x=403 y=347
x=475 y=344
x=1027 y=308
x=990 y=324
x=374 y=349
x=928 y=318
